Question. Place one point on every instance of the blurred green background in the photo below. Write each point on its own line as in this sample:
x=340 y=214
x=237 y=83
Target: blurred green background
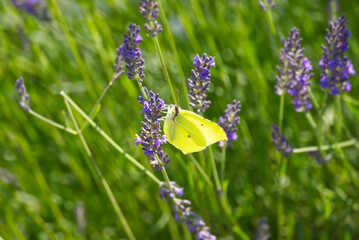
x=46 y=189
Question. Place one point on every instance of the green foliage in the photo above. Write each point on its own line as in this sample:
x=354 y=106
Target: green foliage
x=43 y=172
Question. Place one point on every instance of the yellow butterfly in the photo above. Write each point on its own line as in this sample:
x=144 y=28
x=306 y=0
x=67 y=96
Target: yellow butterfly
x=190 y=132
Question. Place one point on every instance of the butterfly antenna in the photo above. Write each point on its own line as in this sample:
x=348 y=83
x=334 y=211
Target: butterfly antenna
x=177 y=97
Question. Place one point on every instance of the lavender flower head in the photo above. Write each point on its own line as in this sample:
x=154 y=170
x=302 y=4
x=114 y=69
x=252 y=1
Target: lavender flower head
x=38 y=8
x=129 y=54
x=230 y=121
x=149 y=10
x=262 y=229
x=150 y=137
x=294 y=72
x=183 y=214
x=266 y=5
x=280 y=142
x=336 y=67
x=198 y=83
x=24 y=97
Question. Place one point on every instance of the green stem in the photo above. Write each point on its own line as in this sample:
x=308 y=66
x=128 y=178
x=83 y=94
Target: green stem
x=223 y=199
x=281 y=171
x=113 y=80
x=165 y=71
x=215 y=172
x=314 y=99
x=175 y=52
x=142 y=90
x=96 y=107
x=109 y=139
x=270 y=20
x=98 y=175
x=320 y=136
x=164 y=173
x=311 y=121
x=200 y=169
x=338 y=117
x=280 y=208
x=326 y=147
x=52 y=122
x=281 y=110
x=223 y=162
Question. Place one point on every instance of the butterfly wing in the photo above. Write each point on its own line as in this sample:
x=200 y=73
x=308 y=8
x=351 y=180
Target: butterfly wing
x=211 y=130
x=184 y=135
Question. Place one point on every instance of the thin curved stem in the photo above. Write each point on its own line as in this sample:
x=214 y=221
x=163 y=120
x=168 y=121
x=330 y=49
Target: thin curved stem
x=215 y=172
x=223 y=199
x=270 y=19
x=165 y=71
x=175 y=52
x=223 y=162
x=200 y=169
x=99 y=176
x=109 y=139
x=311 y=121
x=113 y=80
x=69 y=130
x=96 y=107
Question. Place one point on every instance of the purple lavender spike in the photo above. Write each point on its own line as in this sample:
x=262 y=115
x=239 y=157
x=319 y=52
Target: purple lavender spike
x=230 y=121
x=198 y=83
x=129 y=55
x=149 y=10
x=150 y=137
x=183 y=214
x=336 y=67
x=24 y=97
x=294 y=72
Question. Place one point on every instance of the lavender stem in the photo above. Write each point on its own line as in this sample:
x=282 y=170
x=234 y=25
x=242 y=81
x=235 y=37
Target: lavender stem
x=165 y=71
x=110 y=140
x=327 y=147
x=97 y=174
x=35 y=114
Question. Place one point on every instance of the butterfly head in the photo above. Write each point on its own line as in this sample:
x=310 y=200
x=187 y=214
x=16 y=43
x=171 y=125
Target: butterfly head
x=173 y=112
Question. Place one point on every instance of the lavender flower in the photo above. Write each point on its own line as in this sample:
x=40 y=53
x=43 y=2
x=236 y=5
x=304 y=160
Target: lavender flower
x=230 y=121
x=199 y=82
x=130 y=55
x=267 y=4
x=149 y=10
x=38 y=8
x=182 y=211
x=24 y=97
x=167 y=194
x=262 y=229
x=151 y=138
x=294 y=73
x=336 y=67
x=281 y=143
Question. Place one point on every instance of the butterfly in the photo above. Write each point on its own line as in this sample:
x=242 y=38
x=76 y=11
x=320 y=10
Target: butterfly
x=190 y=132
